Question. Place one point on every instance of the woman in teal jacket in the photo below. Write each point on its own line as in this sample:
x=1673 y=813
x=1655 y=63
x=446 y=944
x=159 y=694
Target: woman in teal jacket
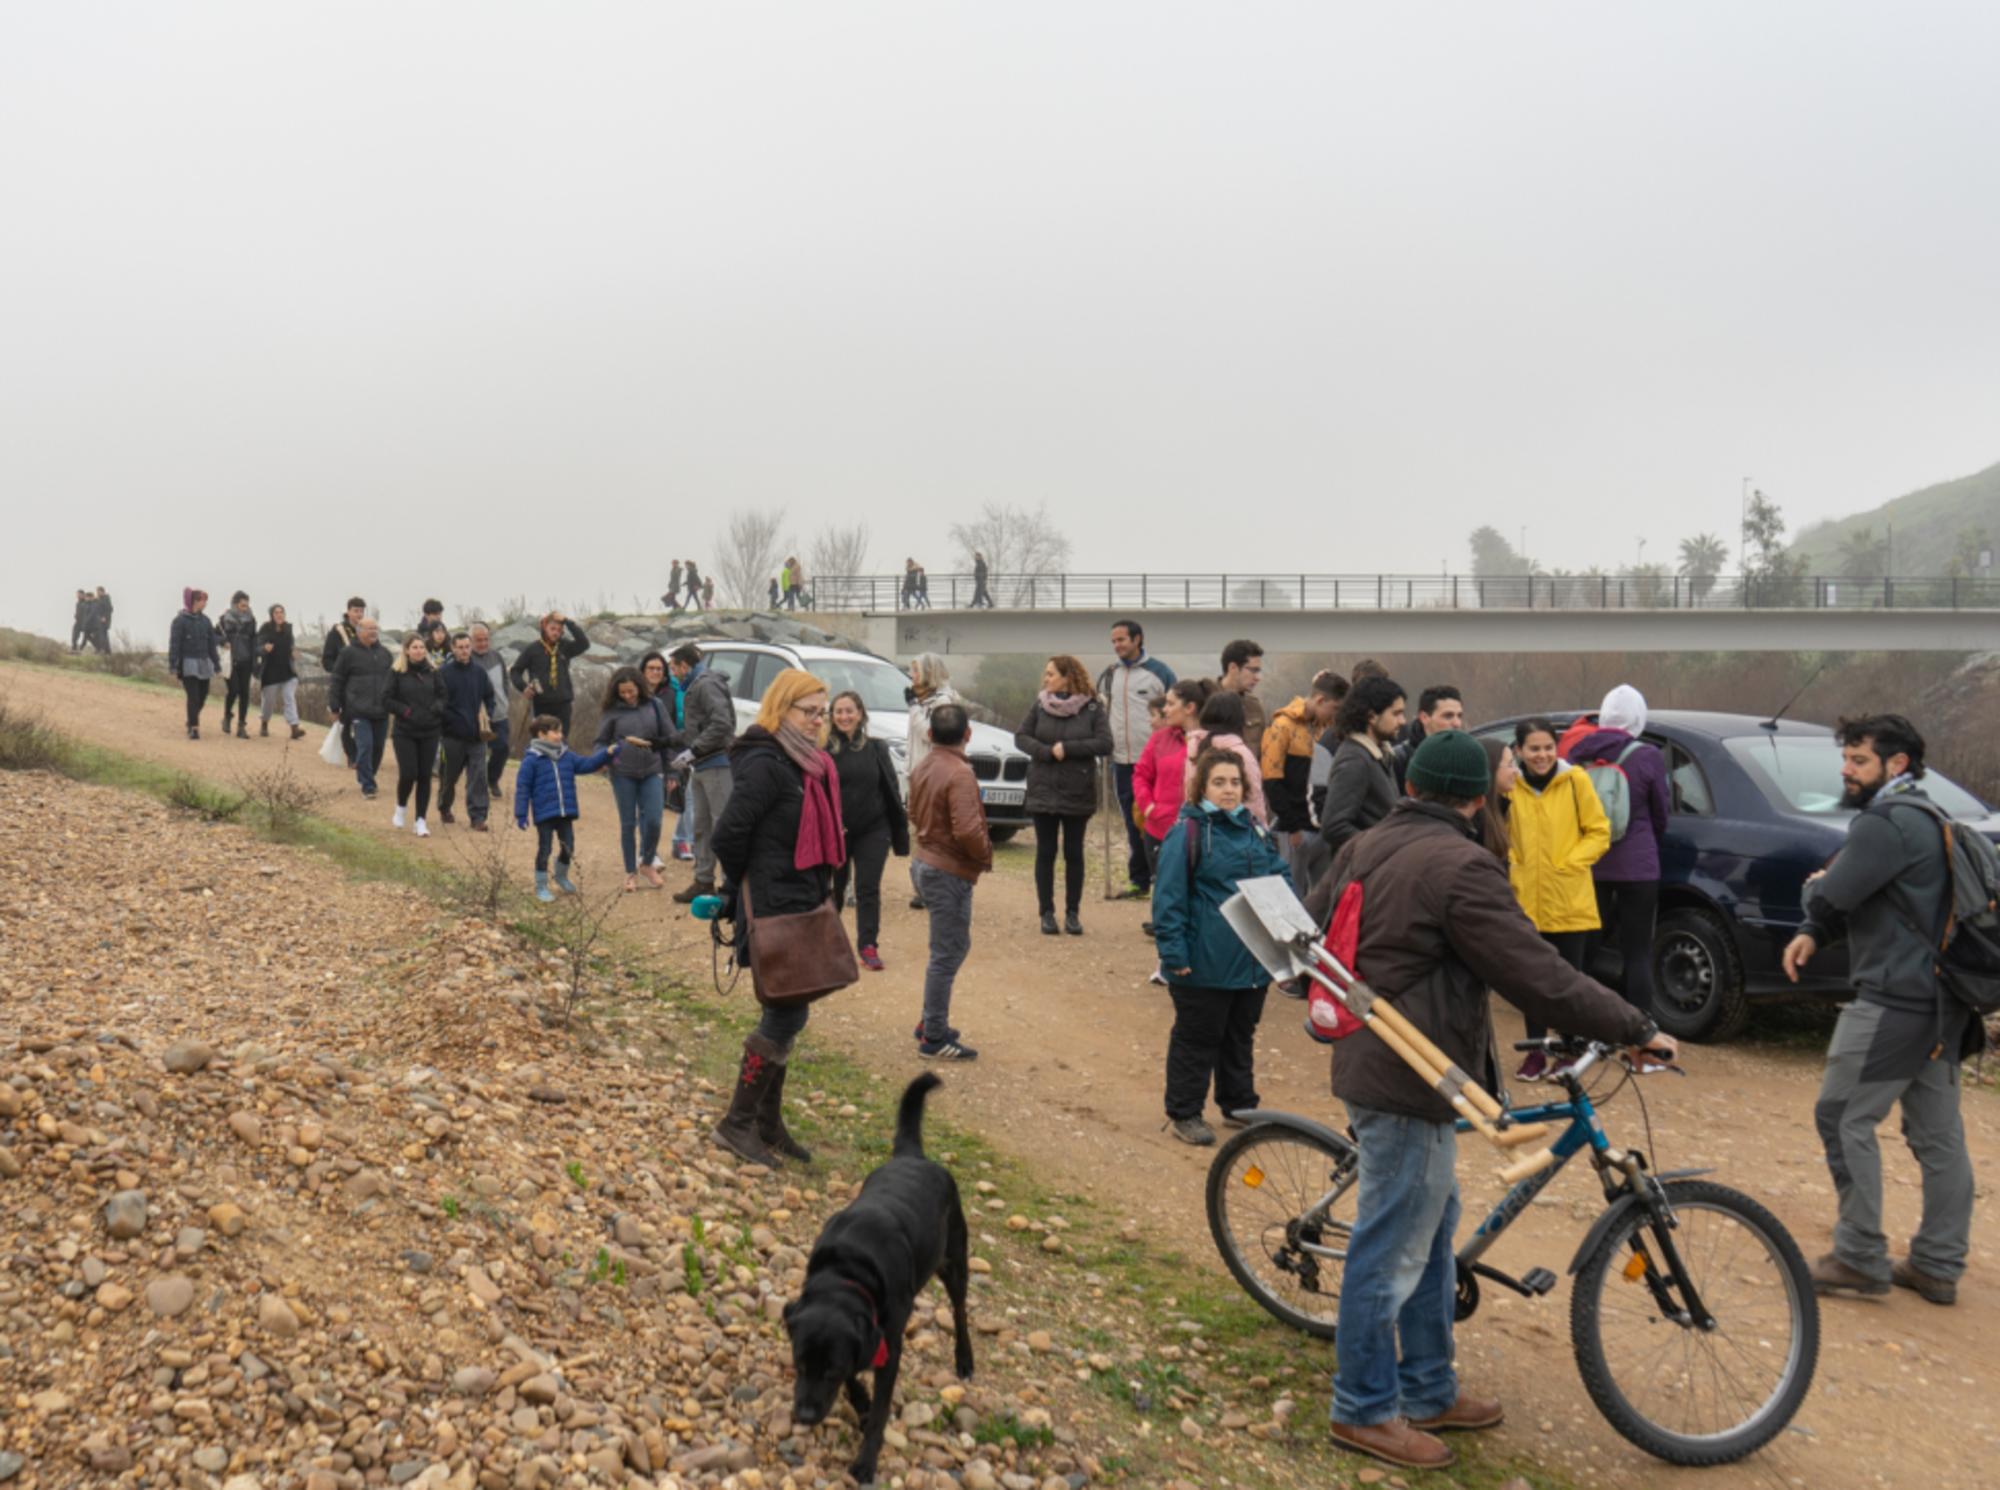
x=1217 y=986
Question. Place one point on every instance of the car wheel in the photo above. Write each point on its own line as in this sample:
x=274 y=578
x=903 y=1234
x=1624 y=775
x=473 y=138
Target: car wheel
x=1698 y=989
x=1001 y=835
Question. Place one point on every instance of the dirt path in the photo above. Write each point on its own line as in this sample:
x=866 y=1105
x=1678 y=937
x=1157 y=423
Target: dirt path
x=1072 y=1037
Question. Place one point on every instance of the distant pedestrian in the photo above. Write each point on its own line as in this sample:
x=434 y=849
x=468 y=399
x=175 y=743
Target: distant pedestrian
x=341 y=635
x=643 y=727
x=923 y=588
x=469 y=706
x=100 y=622
x=930 y=690
x=872 y=814
x=907 y=598
x=278 y=673
x=192 y=655
x=500 y=717
x=436 y=635
x=709 y=731
x=1242 y=671
x=236 y=633
x=1361 y=788
x=545 y=792
x=416 y=705
x=981 y=596
x=673 y=595
x=1128 y=688
x=1217 y=984
x=357 y=694
x=1439 y=707
x=79 y=629
x=954 y=848
x=708 y=594
x=1064 y=734
x=541 y=669
x=1287 y=762
x=1556 y=830
x=693 y=581
x=776 y=596
x=1620 y=762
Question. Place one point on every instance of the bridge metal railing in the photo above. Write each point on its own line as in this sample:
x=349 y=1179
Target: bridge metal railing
x=1375 y=592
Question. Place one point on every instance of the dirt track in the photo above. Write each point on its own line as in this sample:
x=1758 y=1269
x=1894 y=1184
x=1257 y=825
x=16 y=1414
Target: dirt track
x=1072 y=1038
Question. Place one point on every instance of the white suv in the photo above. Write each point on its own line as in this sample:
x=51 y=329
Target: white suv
x=1000 y=765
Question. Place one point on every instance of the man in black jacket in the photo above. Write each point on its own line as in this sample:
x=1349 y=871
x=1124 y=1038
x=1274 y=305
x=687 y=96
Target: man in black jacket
x=100 y=621
x=237 y=631
x=541 y=671
x=1440 y=927
x=80 y=627
x=340 y=636
x=357 y=694
x=1888 y=893
x=468 y=700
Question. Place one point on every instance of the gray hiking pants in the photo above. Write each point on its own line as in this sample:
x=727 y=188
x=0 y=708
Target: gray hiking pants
x=1871 y=1065
x=708 y=794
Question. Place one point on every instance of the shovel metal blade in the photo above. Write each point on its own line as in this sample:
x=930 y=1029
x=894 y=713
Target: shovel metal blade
x=1271 y=923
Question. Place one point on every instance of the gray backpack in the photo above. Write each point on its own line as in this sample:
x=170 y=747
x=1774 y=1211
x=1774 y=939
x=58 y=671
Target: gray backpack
x=1969 y=948
x=1614 y=788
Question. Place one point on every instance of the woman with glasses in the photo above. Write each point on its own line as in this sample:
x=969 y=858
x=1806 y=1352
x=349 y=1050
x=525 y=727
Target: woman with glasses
x=778 y=841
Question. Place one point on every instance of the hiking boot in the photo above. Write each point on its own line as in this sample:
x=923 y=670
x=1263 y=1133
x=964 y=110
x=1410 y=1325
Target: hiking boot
x=263 y=729
x=916 y=902
x=1071 y=924
x=445 y=817
x=737 y=1131
x=1534 y=1068
x=1832 y=1276
x=298 y=732
x=194 y=732
x=948 y=1049
x=1928 y=1286
x=1394 y=1442
x=1192 y=1130
x=1146 y=929
x=243 y=729
x=1049 y=927
x=225 y=724
x=478 y=825
x=871 y=959
x=771 y=1121
x=1466 y=1415
x=698 y=887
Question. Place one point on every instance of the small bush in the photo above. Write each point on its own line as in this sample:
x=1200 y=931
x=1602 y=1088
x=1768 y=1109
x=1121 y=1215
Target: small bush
x=483 y=885
x=25 y=646
x=27 y=743
x=126 y=660
x=211 y=804
x=284 y=799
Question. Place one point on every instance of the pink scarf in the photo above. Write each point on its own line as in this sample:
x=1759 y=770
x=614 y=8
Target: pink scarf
x=1063 y=705
x=822 y=838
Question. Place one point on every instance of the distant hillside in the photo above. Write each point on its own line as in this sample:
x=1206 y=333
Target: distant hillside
x=1928 y=525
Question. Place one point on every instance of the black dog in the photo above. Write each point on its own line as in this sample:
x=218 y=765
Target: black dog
x=862 y=1280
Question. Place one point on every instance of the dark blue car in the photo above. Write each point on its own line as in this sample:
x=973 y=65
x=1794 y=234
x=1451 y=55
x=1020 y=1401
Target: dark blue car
x=1756 y=808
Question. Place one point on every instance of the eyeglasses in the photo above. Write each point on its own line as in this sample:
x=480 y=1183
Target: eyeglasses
x=810 y=713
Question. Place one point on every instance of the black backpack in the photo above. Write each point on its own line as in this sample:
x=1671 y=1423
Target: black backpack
x=1968 y=962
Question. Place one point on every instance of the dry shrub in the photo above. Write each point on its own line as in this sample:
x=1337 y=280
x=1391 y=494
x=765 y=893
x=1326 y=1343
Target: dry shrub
x=28 y=743
x=284 y=799
x=483 y=883
x=192 y=795
x=574 y=927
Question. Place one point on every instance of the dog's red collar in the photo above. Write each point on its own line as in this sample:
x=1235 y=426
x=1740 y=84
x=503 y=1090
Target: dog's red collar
x=875 y=1317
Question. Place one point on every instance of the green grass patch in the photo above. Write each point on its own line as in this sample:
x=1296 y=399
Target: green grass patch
x=1005 y=1428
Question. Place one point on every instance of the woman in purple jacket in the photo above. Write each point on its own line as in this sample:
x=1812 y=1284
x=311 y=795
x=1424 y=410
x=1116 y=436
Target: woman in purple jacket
x=1628 y=876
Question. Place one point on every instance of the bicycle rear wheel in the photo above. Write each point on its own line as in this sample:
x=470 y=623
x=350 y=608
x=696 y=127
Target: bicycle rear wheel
x=1280 y=1206
x=1685 y=1394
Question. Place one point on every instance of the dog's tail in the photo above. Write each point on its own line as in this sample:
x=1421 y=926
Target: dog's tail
x=910 y=1117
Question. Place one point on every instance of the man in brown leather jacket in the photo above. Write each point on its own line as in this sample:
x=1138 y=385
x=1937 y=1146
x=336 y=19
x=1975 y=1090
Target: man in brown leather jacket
x=953 y=848
x=1439 y=928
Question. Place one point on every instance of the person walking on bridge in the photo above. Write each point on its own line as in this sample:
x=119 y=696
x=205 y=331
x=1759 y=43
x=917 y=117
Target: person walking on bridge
x=982 y=598
x=1128 y=688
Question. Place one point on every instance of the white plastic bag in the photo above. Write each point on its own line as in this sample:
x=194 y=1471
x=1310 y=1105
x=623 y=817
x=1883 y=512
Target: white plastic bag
x=329 y=748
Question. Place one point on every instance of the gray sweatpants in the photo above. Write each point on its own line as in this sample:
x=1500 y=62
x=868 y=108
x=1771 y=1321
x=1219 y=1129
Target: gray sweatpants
x=1880 y=1057
x=708 y=794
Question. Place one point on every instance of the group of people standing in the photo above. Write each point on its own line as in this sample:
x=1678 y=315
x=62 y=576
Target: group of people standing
x=91 y=626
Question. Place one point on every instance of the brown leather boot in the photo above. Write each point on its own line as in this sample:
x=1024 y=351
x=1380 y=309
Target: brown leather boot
x=699 y=887
x=771 y=1119
x=1906 y=1274
x=737 y=1131
x=1832 y=1276
x=1466 y=1415
x=1394 y=1442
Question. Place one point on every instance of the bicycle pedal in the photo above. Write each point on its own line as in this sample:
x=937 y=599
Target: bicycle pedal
x=1537 y=1281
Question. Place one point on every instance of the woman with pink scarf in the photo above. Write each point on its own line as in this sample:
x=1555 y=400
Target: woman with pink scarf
x=779 y=840
x=1064 y=735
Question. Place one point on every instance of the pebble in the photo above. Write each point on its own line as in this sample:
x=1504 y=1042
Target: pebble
x=472 y=1381
x=189 y=1240
x=125 y=1214
x=170 y=1295
x=248 y=1127
x=212 y=1459
x=275 y=1317
x=114 y=1297
x=227 y=1218
x=185 y=1057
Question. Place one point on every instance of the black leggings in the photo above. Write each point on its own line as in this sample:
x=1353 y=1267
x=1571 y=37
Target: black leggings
x=416 y=760
x=562 y=828
x=1573 y=947
x=197 y=695
x=1628 y=909
x=867 y=853
x=236 y=692
x=1047 y=826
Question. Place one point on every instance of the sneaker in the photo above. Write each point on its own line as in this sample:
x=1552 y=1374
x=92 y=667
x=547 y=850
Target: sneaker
x=871 y=959
x=1192 y=1130
x=1072 y=925
x=1134 y=892
x=916 y=902
x=659 y=863
x=478 y=825
x=1534 y=1068
x=1238 y=1117
x=422 y=831
x=684 y=852
x=950 y=1032
x=946 y=1050
x=445 y=817
x=1146 y=927
x=1156 y=976
x=1294 y=988
x=397 y=820
x=367 y=793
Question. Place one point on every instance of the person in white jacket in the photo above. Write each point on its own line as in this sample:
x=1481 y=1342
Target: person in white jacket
x=930 y=690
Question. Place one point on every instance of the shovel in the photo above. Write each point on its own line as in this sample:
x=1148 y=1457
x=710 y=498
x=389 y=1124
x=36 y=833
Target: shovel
x=1282 y=935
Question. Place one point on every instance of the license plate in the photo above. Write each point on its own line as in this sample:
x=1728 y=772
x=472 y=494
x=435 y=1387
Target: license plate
x=1003 y=796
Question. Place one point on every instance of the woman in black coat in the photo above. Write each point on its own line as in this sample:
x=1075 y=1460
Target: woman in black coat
x=277 y=675
x=779 y=841
x=871 y=808
x=192 y=655
x=1065 y=734
x=416 y=703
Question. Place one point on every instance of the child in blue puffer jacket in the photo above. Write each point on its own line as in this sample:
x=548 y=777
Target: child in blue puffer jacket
x=545 y=786
x=1217 y=985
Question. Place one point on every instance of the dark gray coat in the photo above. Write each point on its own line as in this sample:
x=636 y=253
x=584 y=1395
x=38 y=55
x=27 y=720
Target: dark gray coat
x=708 y=715
x=358 y=686
x=1066 y=787
x=1359 y=793
x=1885 y=894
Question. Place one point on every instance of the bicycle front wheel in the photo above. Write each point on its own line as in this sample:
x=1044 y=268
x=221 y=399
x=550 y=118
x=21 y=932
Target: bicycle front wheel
x=1683 y=1392
x=1281 y=1206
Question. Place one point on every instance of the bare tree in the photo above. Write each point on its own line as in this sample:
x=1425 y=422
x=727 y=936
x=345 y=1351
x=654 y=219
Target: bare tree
x=752 y=549
x=836 y=551
x=1019 y=545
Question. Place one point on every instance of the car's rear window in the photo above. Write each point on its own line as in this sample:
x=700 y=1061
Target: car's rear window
x=1801 y=773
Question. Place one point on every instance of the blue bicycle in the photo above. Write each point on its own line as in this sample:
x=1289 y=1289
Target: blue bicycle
x=1692 y=1313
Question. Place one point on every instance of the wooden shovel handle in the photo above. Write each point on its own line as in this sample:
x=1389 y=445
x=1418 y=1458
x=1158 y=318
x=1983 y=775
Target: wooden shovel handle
x=1514 y=1173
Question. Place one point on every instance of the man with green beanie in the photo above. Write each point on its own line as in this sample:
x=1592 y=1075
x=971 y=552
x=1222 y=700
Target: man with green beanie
x=1439 y=928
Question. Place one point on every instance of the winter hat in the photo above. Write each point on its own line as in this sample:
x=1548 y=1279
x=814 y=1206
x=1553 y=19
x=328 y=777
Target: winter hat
x=1624 y=707
x=1450 y=764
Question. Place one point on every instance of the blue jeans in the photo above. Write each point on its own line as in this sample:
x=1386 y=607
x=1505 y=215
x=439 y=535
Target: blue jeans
x=641 y=806
x=948 y=899
x=371 y=741
x=684 y=830
x=1400 y=1277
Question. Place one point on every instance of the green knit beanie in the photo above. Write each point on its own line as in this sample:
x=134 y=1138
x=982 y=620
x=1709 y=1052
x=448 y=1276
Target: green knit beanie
x=1450 y=764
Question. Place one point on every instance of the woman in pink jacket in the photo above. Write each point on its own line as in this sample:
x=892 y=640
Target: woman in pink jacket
x=1159 y=780
x=1222 y=727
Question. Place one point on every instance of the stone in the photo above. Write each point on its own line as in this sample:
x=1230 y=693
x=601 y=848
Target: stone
x=368 y=1183
x=171 y=1295
x=625 y=1230
x=472 y=1381
x=275 y=1317
x=185 y=1057
x=49 y=1403
x=211 y=1458
x=243 y=1482
x=1041 y=1342
x=542 y=1388
x=93 y=1271
x=189 y=1240
x=228 y=1218
x=248 y=1127
x=114 y=1297
x=416 y=1261
x=125 y=1214
x=482 y=1286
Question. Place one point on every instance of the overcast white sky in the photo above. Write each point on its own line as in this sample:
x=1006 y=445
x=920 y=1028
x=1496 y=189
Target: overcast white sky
x=479 y=299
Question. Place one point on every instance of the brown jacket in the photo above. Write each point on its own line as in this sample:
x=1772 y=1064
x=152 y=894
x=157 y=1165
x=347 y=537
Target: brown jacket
x=1440 y=927
x=946 y=817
